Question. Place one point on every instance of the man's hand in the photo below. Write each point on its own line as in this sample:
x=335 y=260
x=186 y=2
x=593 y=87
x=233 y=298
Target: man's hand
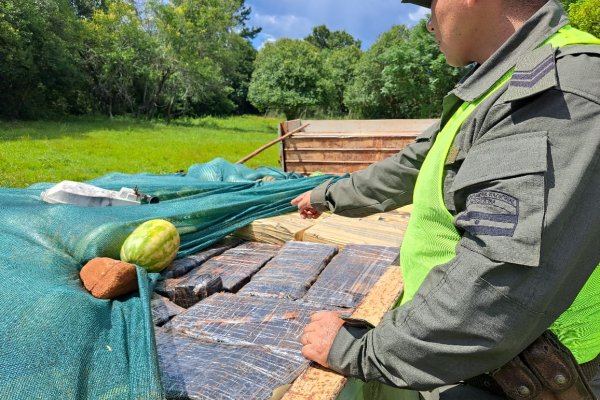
x=319 y=335
x=306 y=209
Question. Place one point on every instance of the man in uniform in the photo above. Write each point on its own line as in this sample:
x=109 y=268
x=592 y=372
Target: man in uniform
x=501 y=255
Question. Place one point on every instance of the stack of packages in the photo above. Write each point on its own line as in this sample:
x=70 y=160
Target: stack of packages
x=229 y=319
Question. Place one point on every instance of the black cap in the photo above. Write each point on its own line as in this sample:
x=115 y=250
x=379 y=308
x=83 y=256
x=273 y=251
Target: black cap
x=422 y=3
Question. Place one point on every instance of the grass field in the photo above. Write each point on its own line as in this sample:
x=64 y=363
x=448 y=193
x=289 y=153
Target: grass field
x=84 y=148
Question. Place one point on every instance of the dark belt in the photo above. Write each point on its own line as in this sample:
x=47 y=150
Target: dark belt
x=545 y=370
x=591 y=368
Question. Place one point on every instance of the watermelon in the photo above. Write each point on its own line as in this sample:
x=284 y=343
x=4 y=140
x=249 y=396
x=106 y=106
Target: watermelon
x=153 y=245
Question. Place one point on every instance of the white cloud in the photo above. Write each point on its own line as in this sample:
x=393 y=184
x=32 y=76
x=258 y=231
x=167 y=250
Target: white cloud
x=419 y=14
x=363 y=19
x=266 y=39
x=287 y=25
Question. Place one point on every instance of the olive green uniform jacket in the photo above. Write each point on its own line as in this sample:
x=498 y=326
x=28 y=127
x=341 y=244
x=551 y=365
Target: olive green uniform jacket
x=530 y=155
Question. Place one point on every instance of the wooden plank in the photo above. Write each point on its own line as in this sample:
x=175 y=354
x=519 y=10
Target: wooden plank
x=342 y=231
x=337 y=142
x=382 y=125
x=317 y=383
x=276 y=230
x=334 y=169
x=329 y=162
x=336 y=135
x=342 y=150
x=355 y=135
x=398 y=216
x=342 y=156
x=289 y=126
x=271 y=143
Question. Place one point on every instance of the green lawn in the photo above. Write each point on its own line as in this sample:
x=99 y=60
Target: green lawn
x=84 y=148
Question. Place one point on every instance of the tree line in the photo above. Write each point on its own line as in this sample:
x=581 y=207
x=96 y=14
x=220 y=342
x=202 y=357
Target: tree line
x=173 y=58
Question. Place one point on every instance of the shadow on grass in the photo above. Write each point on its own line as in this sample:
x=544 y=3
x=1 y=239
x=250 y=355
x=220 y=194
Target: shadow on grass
x=81 y=127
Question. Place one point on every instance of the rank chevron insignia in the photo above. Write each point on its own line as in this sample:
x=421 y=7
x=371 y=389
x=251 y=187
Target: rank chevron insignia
x=530 y=78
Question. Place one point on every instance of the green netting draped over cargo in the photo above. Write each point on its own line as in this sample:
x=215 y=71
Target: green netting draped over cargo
x=59 y=342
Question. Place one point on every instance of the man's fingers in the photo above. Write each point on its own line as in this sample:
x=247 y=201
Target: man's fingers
x=304 y=339
x=309 y=328
x=319 y=315
x=310 y=213
x=308 y=352
x=311 y=352
x=303 y=201
x=296 y=200
x=313 y=212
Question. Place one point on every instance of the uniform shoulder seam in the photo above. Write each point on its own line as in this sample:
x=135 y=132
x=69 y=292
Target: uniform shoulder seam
x=577 y=80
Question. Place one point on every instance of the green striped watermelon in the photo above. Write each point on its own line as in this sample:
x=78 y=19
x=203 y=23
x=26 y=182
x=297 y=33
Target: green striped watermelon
x=153 y=245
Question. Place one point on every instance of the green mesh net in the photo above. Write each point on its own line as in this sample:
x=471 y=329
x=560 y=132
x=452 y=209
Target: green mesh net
x=59 y=342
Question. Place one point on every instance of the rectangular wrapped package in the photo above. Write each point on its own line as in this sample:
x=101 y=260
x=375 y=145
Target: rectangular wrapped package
x=187 y=291
x=235 y=319
x=195 y=369
x=180 y=267
x=163 y=309
x=237 y=265
x=291 y=272
x=351 y=275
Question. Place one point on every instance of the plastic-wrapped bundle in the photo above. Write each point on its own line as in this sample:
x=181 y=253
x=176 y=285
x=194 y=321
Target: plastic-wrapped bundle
x=237 y=265
x=182 y=266
x=291 y=272
x=351 y=274
x=189 y=290
x=163 y=309
x=235 y=319
x=194 y=369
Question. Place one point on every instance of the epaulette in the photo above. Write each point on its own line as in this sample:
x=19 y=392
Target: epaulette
x=578 y=49
x=534 y=73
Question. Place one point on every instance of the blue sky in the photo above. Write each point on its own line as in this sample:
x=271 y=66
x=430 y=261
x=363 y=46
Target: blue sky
x=363 y=19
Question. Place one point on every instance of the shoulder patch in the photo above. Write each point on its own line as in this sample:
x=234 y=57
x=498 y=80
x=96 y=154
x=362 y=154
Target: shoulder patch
x=490 y=213
x=533 y=74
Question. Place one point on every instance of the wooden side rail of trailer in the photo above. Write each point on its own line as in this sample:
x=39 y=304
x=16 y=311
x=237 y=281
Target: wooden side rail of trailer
x=343 y=146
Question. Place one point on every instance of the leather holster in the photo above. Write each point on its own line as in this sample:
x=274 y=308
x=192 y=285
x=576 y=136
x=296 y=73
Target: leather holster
x=546 y=370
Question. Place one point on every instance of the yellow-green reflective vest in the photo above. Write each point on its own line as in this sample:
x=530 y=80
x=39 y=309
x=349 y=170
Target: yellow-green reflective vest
x=431 y=237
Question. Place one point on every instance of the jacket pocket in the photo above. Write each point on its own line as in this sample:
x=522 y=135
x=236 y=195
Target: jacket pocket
x=499 y=193
x=504 y=157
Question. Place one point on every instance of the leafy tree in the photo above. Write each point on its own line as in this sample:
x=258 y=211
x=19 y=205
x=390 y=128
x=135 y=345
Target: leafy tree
x=339 y=68
x=566 y=3
x=288 y=77
x=213 y=59
x=242 y=16
x=238 y=72
x=403 y=75
x=38 y=65
x=323 y=38
x=183 y=57
x=585 y=15
x=364 y=95
x=86 y=8
x=113 y=56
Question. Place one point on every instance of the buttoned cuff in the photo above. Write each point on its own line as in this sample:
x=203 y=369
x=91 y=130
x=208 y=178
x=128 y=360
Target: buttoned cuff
x=318 y=196
x=345 y=353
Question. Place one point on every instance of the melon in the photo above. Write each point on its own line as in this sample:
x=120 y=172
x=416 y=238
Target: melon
x=153 y=245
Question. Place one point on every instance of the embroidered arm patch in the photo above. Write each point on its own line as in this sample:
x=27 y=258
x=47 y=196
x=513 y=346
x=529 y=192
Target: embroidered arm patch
x=491 y=213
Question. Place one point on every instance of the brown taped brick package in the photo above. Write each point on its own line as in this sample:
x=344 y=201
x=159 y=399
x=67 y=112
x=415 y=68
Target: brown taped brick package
x=106 y=278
